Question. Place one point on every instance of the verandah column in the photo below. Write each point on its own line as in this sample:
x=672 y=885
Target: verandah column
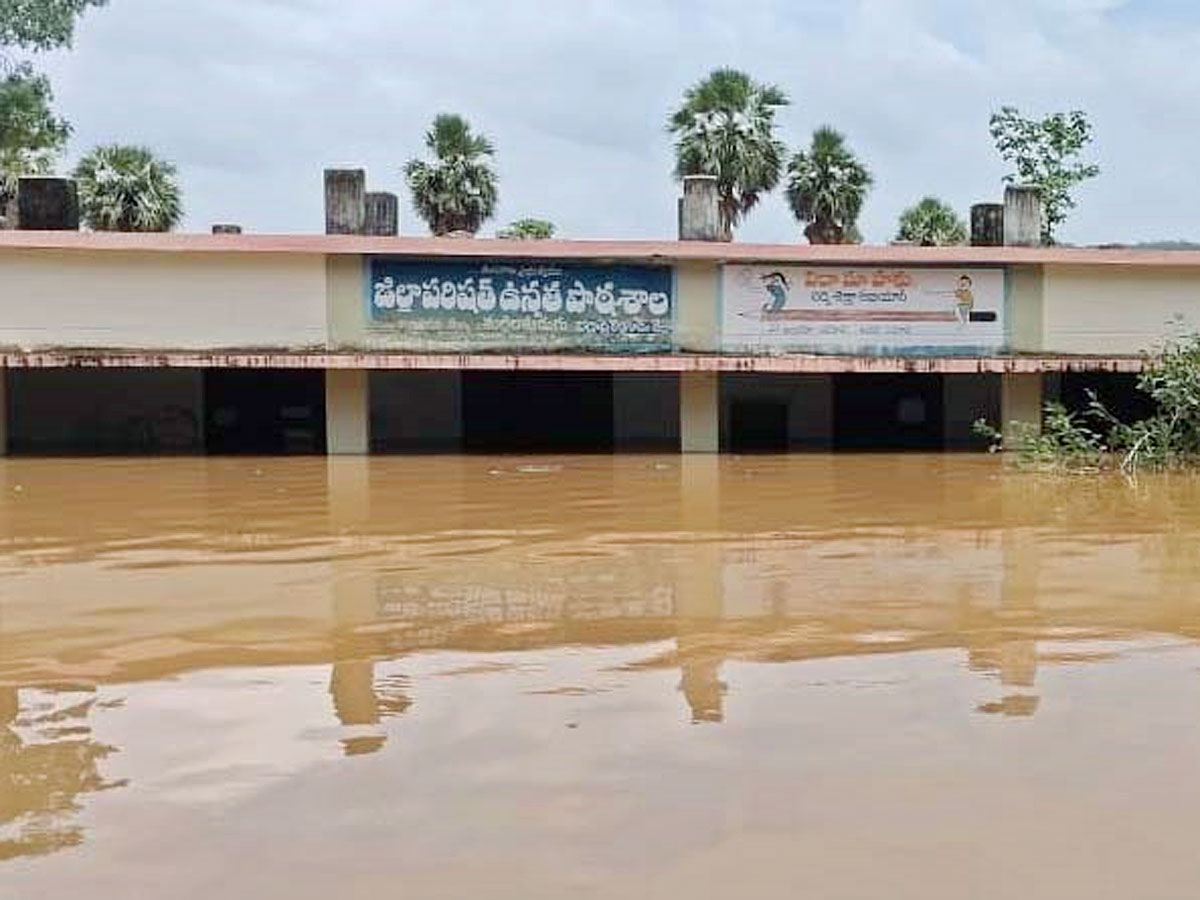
x=347 y=412
x=699 y=392
x=699 y=412
x=1021 y=401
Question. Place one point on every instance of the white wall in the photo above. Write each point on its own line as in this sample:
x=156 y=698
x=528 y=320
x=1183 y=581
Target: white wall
x=185 y=301
x=1116 y=310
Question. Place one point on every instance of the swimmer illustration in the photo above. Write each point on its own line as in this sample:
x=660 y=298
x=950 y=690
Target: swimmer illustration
x=964 y=300
x=777 y=285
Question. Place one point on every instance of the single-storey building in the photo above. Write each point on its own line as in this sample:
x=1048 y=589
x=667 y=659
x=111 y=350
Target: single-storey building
x=349 y=343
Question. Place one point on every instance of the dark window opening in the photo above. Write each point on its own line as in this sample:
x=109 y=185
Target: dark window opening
x=888 y=412
x=264 y=411
x=758 y=426
x=537 y=412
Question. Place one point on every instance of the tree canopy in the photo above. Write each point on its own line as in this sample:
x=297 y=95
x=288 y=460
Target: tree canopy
x=1046 y=154
x=827 y=187
x=31 y=136
x=528 y=230
x=41 y=24
x=726 y=128
x=124 y=188
x=931 y=223
x=458 y=190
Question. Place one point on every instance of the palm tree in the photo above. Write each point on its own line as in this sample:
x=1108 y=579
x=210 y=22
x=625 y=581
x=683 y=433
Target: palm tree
x=124 y=188
x=931 y=223
x=827 y=187
x=456 y=192
x=726 y=128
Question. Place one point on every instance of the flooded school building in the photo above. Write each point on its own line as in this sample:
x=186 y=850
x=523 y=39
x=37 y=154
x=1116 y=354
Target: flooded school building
x=359 y=340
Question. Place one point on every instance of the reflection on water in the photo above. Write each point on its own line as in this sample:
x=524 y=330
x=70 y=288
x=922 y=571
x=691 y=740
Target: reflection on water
x=209 y=635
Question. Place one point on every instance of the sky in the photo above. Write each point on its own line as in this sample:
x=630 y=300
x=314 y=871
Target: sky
x=252 y=99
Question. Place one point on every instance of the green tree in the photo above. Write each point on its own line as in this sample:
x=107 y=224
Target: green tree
x=1046 y=154
x=457 y=191
x=31 y=136
x=931 y=223
x=124 y=188
x=827 y=187
x=528 y=230
x=41 y=24
x=726 y=128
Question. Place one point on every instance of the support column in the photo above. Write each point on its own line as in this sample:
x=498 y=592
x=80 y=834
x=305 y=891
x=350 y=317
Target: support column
x=1020 y=400
x=347 y=412
x=699 y=412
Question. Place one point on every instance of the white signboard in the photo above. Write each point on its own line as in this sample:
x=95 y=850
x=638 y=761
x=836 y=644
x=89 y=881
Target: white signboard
x=836 y=309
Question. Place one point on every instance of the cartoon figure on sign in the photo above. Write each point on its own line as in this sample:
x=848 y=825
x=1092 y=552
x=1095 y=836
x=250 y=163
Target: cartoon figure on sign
x=964 y=300
x=776 y=286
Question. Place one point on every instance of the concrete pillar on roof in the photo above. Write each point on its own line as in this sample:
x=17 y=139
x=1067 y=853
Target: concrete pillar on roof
x=1022 y=216
x=699 y=210
x=226 y=228
x=382 y=214
x=47 y=204
x=987 y=225
x=345 y=201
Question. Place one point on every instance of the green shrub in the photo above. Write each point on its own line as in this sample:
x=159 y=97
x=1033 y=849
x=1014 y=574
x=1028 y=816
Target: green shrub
x=1095 y=439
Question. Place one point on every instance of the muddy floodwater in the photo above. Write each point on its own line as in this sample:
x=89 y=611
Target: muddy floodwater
x=634 y=677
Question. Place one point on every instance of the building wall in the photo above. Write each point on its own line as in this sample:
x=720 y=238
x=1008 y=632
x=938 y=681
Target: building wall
x=1026 y=308
x=106 y=410
x=161 y=300
x=1117 y=310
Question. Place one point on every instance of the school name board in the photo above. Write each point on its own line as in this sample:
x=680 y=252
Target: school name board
x=862 y=311
x=538 y=306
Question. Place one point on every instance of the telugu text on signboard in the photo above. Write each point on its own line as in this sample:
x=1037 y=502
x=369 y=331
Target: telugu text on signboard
x=522 y=306
x=835 y=309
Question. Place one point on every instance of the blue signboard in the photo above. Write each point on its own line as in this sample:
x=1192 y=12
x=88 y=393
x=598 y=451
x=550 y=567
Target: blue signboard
x=503 y=305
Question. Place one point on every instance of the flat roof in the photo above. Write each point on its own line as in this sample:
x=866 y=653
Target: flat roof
x=595 y=250
x=794 y=364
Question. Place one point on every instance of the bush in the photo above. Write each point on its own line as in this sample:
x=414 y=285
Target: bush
x=1096 y=439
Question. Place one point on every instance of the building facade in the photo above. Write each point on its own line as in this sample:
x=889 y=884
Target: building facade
x=351 y=344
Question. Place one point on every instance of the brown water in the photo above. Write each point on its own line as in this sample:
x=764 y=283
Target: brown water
x=820 y=677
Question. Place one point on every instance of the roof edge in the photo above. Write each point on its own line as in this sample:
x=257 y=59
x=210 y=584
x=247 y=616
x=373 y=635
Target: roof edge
x=625 y=250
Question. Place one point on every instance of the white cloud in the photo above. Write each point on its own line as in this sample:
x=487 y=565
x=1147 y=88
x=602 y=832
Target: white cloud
x=253 y=97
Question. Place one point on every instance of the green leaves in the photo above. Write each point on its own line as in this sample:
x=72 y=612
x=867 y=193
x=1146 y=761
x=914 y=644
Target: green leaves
x=527 y=230
x=1045 y=153
x=726 y=128
x=41 y=24
x=931 y=223
x=827 y=187
x=123 y=188
x=457 y=191
x=31 y=136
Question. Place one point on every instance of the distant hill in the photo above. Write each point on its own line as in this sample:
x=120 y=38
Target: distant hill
x=1152 y=245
